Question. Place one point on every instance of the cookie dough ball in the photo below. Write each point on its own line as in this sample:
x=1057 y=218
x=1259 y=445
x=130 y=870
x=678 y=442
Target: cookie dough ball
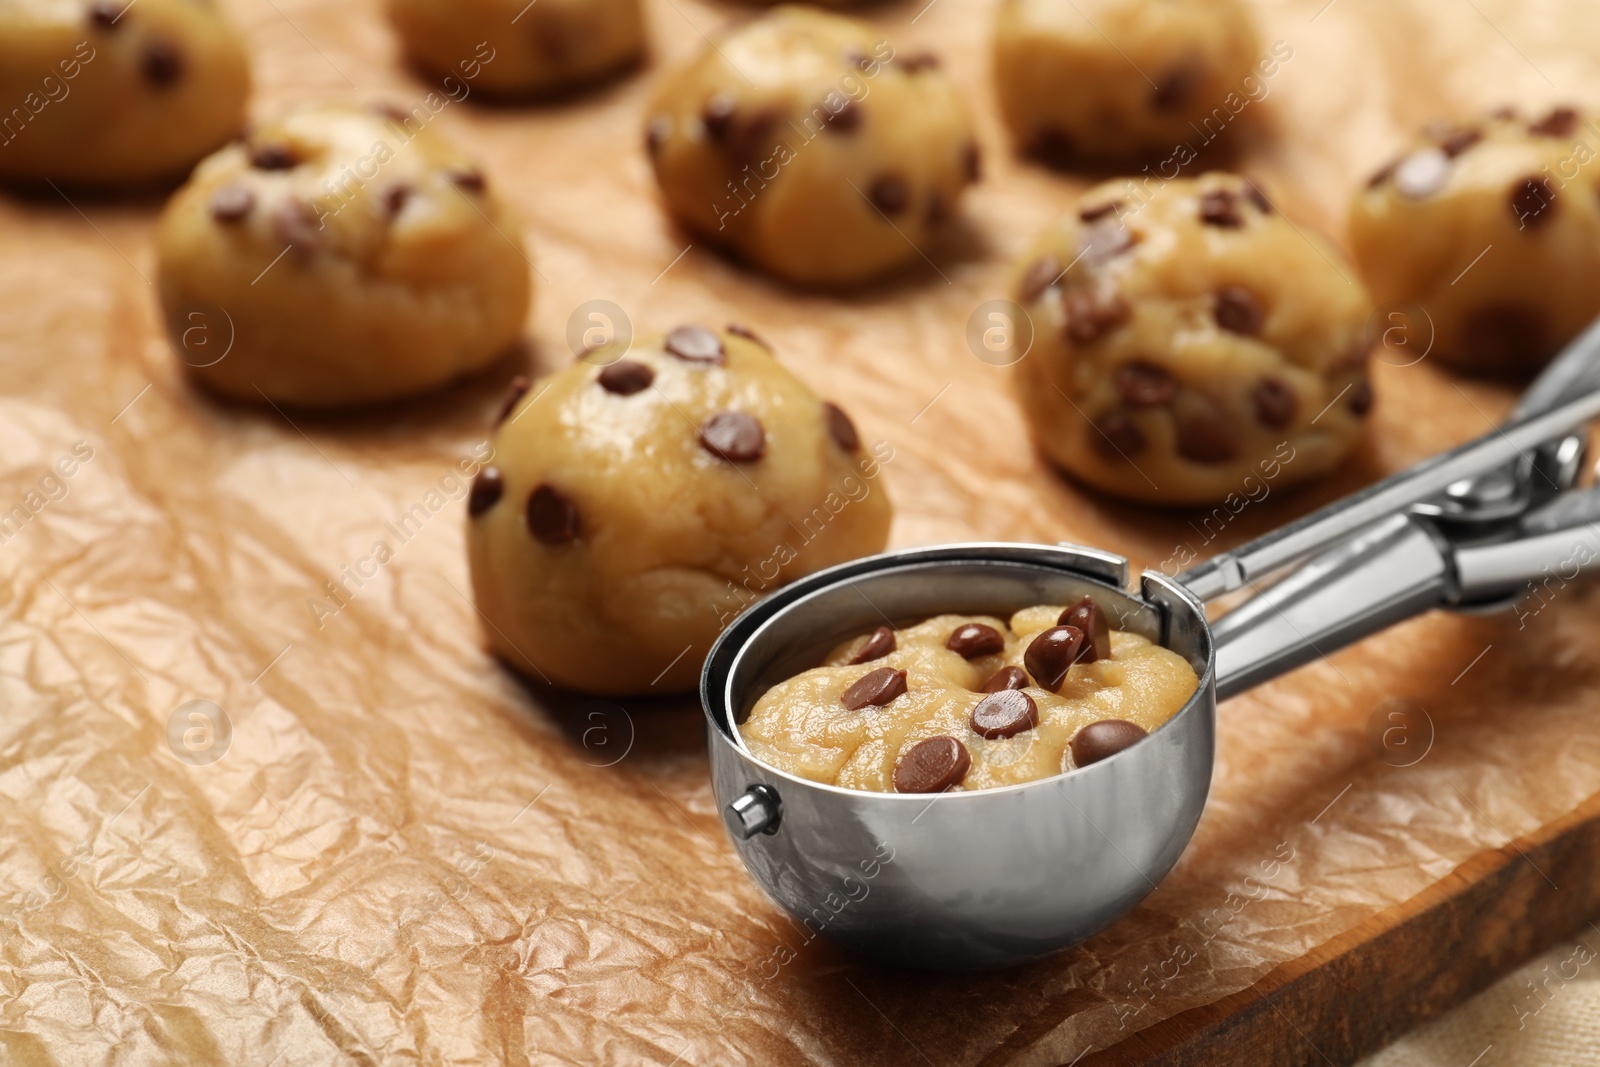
x=638 y=500
x=514 y=48
x=105 y=93
x=805 y=144
x=338 y=257
x=1121 y=78
x=1489 y=231
x=1191 y=345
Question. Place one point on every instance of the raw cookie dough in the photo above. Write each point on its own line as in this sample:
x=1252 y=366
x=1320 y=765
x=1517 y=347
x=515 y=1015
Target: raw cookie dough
x=339 y=257
x=110 y=92
x=1191 y=344
x=1484 y=238
x=969 y=702
x=639 y=500
x=805 y=144
x=517 y=48
x=1120 y=78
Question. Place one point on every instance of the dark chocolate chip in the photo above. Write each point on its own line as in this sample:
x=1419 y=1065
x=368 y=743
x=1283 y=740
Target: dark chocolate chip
x=975 y=639
x=519 y=389
x=920 y=61
x=874 y=689
x=395 y=197
x=295 y=223
x=1004 y=714
x=889 y=194
x=1205 y=435
x=1220 y=207
x=1361 y=398
x=1006 y=678
x=695 y=344
x=1561 y=122
x=1533 y=202
x=718 y=114
x=846 y=120
x=1087 y=617
x=1052 y=654
x=1096 y=212
x=104 y=14
x=1041 y=274
x=1458 y=141
x=734 y=436
x=1253 y=193
x=1176 y=87
x=972 y=161
x=1103 y=241
x=1105 y=738
x=468 y=179
x=1275 y=403
x=748 y=334
x=1055 y=147
x=232 y=203
x=656 y=132
x=272 y=157
x=162 y=64
x=840 y=428
x=1145 y=385
x=488 y=486
x=932 y=766
x=1238 y=311
x=879 y=644
x=1092 y=311
x=625 y=377
x=1116 y=436
x=552 y=516
x=1504 y=336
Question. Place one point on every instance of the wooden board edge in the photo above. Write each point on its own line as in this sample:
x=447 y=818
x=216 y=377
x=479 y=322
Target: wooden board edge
x=1351 y=996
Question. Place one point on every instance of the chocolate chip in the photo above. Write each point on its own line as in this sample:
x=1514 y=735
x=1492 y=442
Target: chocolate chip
x=1096 y=212
x=734 y=436
x=1116 y=437
x=1145 y=385
x=889 y=194
x=519 y=388
x=1383 y=174
x=1238 y=311
x=296 y=225
x=104 y=14
x=1561 y=122
x=695 y=344
x=1275 y=403
x=1220 y=207
x=162 y=63
x=1041 y=274
x=748 y=334
x=718 y=114
x=656 y=132
x=932 y=766
x=1052 y=654
x=552 y=516
x=1006 y=678
x=395 y=197
x=1533 y=202
x=1103 y=241
x=1093 y=310
x=1004 y=714
x=1458 y=141
x=488 y=486
x=1087 y=617
x=468 y=179
x=972 y=161
x=273 y=157
x=846 y=120
x=975 y=639
x=1105 y=738
x=1205 y=434
x=879 y=644
x=625 y=377
x=232 y=203
x=1422 y=173
x=920 y=61
x=1504 y=335
x=1055 y=147
x=1361 y=398
x=840 y=428
x=1253 y=193
x=1176 y=87
x=874 y=689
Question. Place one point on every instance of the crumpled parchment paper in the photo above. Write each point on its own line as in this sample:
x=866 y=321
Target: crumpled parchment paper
x=370 y=843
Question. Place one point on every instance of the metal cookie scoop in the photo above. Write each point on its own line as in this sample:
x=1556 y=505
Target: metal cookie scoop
x=997 y=877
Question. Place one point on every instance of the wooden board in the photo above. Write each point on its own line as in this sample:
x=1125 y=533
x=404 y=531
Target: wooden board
x=408 y=854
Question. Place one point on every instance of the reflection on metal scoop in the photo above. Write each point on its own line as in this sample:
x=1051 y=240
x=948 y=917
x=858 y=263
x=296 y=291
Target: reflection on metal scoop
x=996 y=877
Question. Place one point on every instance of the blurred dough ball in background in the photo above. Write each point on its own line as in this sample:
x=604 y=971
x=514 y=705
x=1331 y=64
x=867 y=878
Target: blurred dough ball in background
x=339 y=257
x=1484 y=238
x=1115 y=79
x=516 y=48
x=106 y=92
x=1191 y=343
x=638 y=500
x=807 y=145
